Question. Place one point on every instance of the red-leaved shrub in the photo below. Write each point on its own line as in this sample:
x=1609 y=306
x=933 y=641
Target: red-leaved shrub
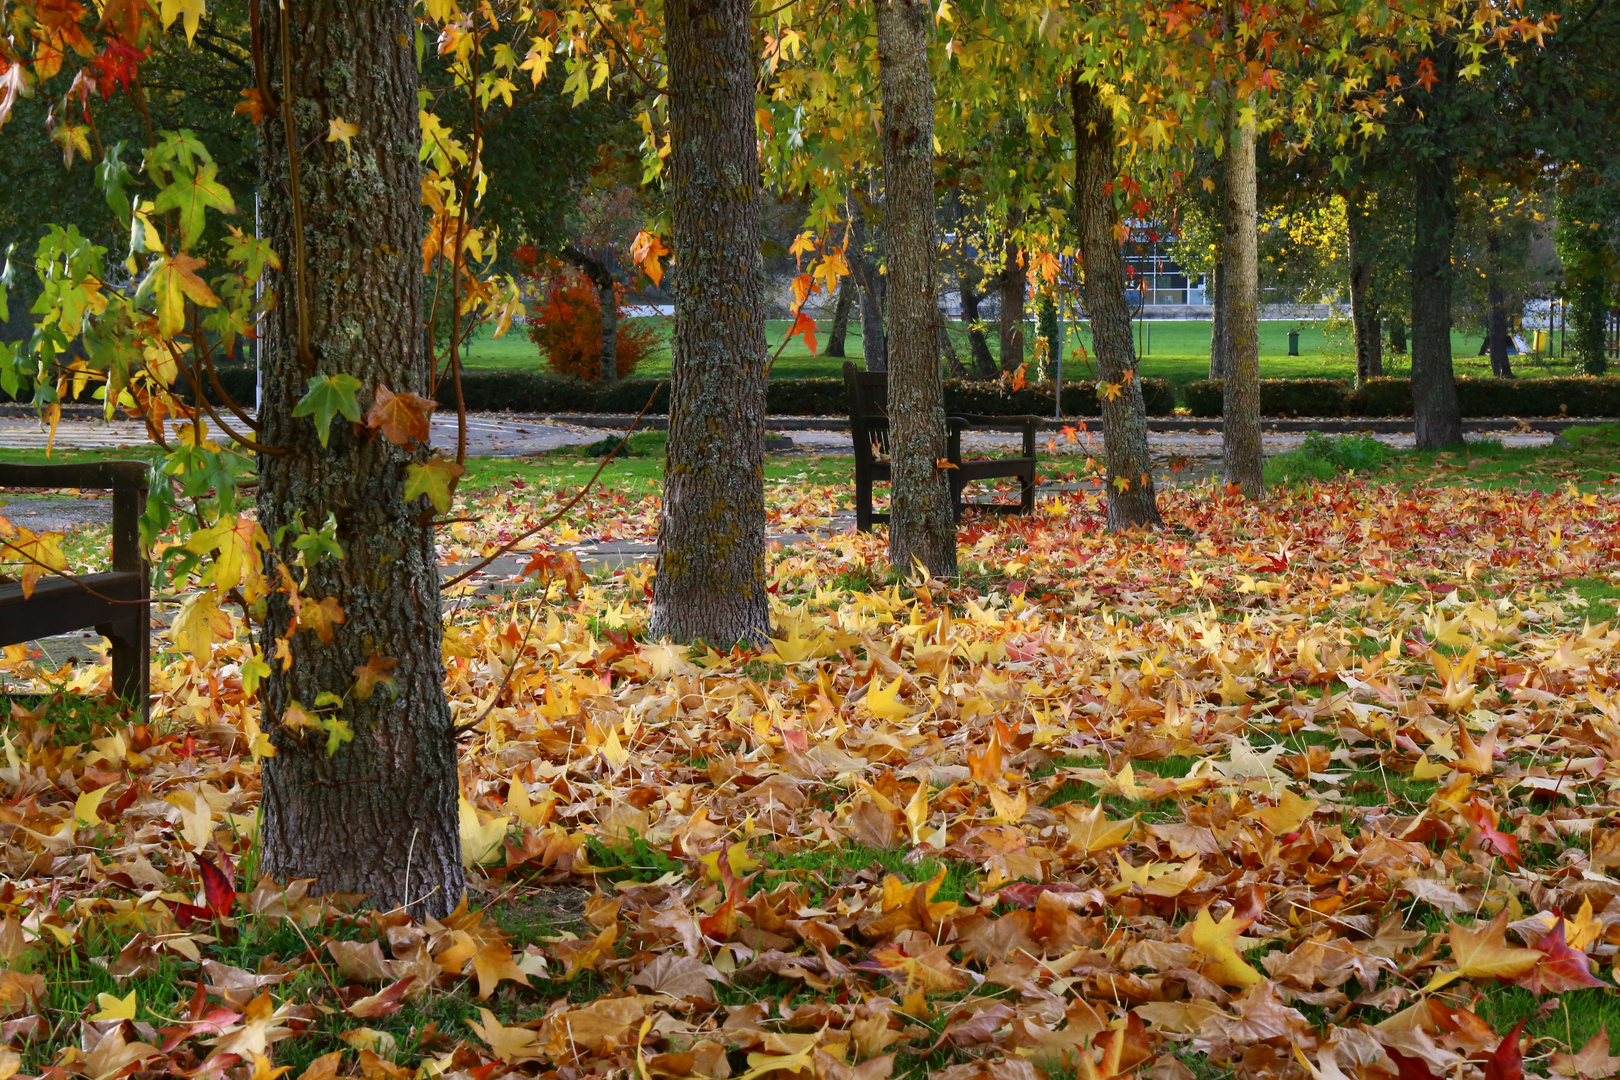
x=567 y=325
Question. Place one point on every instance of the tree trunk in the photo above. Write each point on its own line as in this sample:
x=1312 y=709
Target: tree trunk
x=1013 y=282
x=874 y=342
x=1131 y=498
x=597 y=272
x=1240 y=274
x=1365 y=322
x=984 y=364
x=922 y=521
x=1587 y=307
x=379 y=815
x=1219 y=346
x=1397 y=335
x=1050 y=336
x=840 y=319
x=711 y=539
x=1436 y=416
x=1496 y=331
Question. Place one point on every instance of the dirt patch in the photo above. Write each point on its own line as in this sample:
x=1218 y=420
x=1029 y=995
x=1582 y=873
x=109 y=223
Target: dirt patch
x=542 y=912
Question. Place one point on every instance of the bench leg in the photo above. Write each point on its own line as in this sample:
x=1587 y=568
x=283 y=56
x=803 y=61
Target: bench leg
x=863 y=502
x=131 y=660
x=1027 y=501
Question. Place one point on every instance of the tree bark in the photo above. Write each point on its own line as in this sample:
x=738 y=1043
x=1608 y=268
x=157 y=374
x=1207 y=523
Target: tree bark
x=1219 y=346
x=598 y=273
x=1436 y=416
x=1496 y=331
x=1240 y=275
x=874 y=341
x=1013 y=283
x=984 y=364
x=711 y=538
x=840 y=319
x=1131 y=498
x=1587 y=307
x=922 y=521
x=379 y=815
x=1365 y=321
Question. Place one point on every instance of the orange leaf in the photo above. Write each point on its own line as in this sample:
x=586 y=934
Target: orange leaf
x=402 y=418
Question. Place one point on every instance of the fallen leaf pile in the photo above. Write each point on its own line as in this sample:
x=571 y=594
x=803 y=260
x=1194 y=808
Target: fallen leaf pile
x=1295 y=791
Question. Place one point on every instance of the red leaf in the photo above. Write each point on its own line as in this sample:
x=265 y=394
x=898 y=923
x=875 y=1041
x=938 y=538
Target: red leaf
x=217 y=889
x=1411 y=1068
x=1561 y=969
x=804 y=326
x=1507 y=1063
x=1484 y=820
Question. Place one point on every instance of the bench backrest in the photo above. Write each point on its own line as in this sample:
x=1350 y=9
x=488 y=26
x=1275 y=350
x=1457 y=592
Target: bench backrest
x=868 y=394
x=127 y=479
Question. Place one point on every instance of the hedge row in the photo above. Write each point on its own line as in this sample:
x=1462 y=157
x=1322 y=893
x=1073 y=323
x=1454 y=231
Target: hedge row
x=529 y=392
x=1582 y=396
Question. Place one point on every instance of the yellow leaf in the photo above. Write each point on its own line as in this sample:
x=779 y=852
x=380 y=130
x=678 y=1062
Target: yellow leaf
x=190 y=12
x=340 y=130
x=511 y=1044
x=1092 y=831
x=885 y=703
x=1216 y=941
x=115 y=1008
x=736 y=856
x=493 y=963
x=517 y=801
x=480 y=840
x=1484 y=953
x=86 y=805
x=1288 y=815
x=199 y=624
x=1427 y=770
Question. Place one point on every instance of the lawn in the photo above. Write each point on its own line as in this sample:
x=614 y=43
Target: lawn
x=1177 y=351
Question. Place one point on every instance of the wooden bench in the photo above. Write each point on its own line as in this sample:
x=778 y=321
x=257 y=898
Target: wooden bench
x=868 y=393
x=116 y=602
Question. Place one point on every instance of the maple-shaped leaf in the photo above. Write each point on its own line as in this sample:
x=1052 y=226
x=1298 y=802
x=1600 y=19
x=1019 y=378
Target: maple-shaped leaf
x=1560 y=968
x=1507 y=1062
x=491 y=964
x=1288 y=815
x=546 y=566
x=1484 y=819
x=199 y=624
x=1410 y=1068
x=385 y=1002
x=645 y=251
x=1092 y=830
x=375 y=670
x=1119 y=1050
x=435 y=479
x=402 y=418
x=190 y=194
x=916 y=963
x=884 y=701
x=321 y=616
x=1217 y=942
x=326 y=397
x=803 y=326
x=511 y=1044
x=37 y=553
x=169 y=284
x=1593 y=1062
x=1483 y=953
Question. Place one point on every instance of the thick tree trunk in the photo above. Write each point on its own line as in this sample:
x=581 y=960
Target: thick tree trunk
x=1131 y=498
x=1365 y=321
x=1219 y=346
x=1436 y=416
x=1240 y=275
x=874 y=341
x=922 y=522
x=711 y=539
x=378 y=815
x=1013 y=283
x=840 y=319
x=1496 y=317
x=984 y=364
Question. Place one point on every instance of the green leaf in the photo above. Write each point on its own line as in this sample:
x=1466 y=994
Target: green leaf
x=113 y=176
x=337 y=731
x=435 y=479
x=253 y=671
x=329 y=395
x=192 y=193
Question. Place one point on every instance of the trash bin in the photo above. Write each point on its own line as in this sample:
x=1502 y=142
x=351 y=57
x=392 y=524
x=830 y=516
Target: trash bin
x=1293 y=343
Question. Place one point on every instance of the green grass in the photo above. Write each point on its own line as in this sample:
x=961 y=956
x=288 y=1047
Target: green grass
x=1602 y=597
x=818 y=868
x=1177 y=351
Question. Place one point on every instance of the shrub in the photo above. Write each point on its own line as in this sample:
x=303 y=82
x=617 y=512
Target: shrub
x=1322 y=457
x=567 y=326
